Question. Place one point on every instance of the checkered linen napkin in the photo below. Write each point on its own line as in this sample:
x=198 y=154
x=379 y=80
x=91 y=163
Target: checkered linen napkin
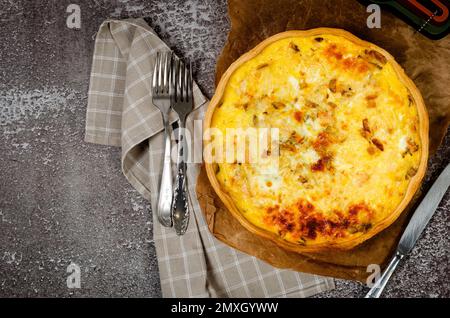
x=120 y=113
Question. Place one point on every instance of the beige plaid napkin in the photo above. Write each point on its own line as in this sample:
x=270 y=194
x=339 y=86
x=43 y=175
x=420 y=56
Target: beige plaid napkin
x=120 y=113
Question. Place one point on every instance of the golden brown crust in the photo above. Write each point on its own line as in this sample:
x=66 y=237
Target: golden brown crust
x=380 y=56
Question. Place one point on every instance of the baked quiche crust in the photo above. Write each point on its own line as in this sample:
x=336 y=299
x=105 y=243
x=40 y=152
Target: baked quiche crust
x=353 y=139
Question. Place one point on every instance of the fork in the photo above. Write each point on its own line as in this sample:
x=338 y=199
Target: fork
x=183 y=104
x=163 y=90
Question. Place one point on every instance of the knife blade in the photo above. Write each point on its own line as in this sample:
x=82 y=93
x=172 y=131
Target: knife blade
x=415 y=227
x=424 y=212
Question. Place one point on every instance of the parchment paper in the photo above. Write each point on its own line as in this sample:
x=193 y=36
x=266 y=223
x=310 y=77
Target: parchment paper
x=426 y=61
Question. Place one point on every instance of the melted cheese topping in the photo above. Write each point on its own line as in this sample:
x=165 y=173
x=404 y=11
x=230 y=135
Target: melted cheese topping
x=348 y=139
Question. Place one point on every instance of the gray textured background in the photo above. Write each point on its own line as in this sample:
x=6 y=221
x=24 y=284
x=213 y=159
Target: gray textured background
x=63 y=200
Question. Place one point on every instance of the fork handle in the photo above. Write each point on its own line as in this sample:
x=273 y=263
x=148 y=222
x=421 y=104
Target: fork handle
x=165 y=190
x=180 y=205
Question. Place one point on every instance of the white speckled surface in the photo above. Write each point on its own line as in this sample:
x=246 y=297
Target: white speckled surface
x=48 y=214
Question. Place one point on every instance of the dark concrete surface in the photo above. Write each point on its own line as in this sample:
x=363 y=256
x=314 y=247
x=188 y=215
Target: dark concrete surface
x=63 y=200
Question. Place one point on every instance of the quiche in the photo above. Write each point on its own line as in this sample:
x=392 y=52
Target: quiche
x=351 y=139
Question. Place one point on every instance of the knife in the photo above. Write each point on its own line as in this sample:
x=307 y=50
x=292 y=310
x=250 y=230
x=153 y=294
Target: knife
x=415 y=227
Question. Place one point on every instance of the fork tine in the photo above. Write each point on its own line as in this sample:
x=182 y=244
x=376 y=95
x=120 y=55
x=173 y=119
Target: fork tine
x=167 y=72
x=172 y=81
x=186 y=81
x=163 y=73
x=155 y=75
x=175 y=70
x=190 y=84
x=160 y=72
x=180 y=80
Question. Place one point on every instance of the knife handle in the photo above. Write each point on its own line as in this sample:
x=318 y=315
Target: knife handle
x=377 y=289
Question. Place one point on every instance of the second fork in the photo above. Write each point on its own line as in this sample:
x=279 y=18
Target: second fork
x=182 y=105
x=162 y=91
